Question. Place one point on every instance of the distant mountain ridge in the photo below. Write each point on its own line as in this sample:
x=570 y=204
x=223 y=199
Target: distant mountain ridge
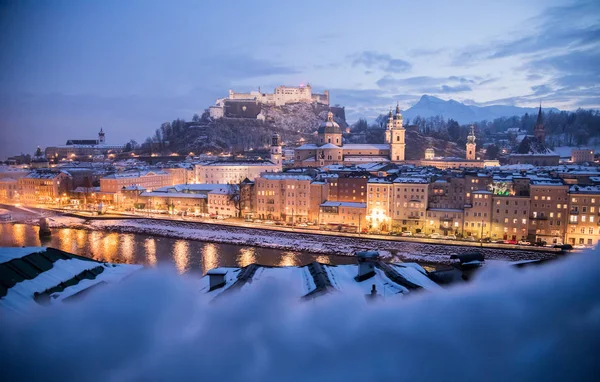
x=429 y=106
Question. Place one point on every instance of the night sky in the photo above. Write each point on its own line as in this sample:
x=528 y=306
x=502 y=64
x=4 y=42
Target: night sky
x=71 y=67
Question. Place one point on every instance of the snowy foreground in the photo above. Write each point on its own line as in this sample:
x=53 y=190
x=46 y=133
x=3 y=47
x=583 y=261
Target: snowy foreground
x=290 y=241
x=531 y=324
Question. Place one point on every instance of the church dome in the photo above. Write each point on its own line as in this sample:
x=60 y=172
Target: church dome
x=330 y=126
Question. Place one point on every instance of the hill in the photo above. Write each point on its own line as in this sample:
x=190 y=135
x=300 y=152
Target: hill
x=429 y=106
x=293 y=122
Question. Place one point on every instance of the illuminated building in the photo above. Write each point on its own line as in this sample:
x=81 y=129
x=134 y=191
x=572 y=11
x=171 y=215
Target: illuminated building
x=583 y=209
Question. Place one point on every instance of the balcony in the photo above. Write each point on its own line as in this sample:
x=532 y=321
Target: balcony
x=574 y=212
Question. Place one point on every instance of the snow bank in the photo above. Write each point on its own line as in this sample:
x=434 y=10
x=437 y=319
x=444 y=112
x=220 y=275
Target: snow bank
x=539 y=323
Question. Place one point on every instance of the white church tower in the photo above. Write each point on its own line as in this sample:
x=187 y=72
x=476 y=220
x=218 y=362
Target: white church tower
x=276 y=156
x=397 y=143
x=471 y=146
x=389 y=127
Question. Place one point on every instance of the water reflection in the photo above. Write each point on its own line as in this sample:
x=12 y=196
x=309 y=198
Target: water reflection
x=94 y=245
x=288 y=259
x=66 y=243
x=210 y=258
x=323 y=259
x=127 y=247
x=247 y=256
x=19 y=235
x=181 y=255
x=150 y=247
x=153 y=251
x=80 y=237
x=110 y=243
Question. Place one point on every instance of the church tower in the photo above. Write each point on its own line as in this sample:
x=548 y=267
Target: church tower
x=397 y=144
x=471 y=146
x=276 y=150
x=538 y=131
x=101 y=137
x=389 y=127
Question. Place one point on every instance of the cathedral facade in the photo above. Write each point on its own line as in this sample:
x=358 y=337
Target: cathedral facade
x=330 y=148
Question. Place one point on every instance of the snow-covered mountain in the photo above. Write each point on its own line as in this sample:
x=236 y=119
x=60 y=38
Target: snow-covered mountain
x=429 y=106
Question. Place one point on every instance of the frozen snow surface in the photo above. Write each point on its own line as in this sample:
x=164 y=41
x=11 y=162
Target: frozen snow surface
x=531 y=324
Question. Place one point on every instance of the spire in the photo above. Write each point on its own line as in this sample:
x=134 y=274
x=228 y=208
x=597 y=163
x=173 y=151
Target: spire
x=471 y=137
x=397 y=108
x=391 y=115
x=330 y=117
x=539 y=117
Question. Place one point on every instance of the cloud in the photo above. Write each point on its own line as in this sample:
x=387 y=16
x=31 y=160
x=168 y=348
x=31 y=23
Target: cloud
x=382 y=61
x=426 y=84
x=561 y=27
x=538 y=323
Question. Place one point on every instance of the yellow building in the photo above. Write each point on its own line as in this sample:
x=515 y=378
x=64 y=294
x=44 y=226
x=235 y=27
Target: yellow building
x=409 y=204
x=584 y=211
x=45 y=186
x=147 y=179
x=343 y=216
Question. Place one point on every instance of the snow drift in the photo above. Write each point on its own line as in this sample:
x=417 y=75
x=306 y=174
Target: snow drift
x=540 y=323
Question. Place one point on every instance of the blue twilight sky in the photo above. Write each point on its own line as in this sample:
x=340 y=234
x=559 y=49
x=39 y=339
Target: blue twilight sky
x=69 y=67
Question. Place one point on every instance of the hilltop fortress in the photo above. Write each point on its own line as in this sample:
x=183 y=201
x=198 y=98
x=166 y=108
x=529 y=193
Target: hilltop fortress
x=283 y=95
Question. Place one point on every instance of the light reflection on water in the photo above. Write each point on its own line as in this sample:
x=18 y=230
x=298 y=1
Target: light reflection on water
x=19 y=235
x=80 y=235
x=187 y=256
x=110 y=244
x=127 y=245
x=323 y=259
x=246 y=257
x=288 y=259
x=181 y=255
x=150 y=246
x=210 y=258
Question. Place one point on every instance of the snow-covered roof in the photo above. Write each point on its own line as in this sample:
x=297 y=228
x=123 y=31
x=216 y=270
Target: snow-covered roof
x=187 y=195
x=379 y=180
x=315 y=279
x=233 y=163
x=135 y=174
x=344 y=204
x=284 y=176
x=307 y=146
x=329 y=146
x=577 y=189
x=365 y=158
x=366 y=146
x=414 y=180
x=54 y=276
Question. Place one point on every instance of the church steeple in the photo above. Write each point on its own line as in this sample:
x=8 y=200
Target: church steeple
x=395 y=136
x=538 y=131
x=101 y=136
x=471 y=145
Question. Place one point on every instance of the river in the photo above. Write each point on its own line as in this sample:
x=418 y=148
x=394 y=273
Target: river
x=187 y=256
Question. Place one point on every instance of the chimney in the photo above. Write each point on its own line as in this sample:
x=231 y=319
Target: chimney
x=366 y=264
x=216 y=278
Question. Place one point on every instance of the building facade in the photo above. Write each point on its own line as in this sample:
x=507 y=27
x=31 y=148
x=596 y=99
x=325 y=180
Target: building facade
x=147 y=179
